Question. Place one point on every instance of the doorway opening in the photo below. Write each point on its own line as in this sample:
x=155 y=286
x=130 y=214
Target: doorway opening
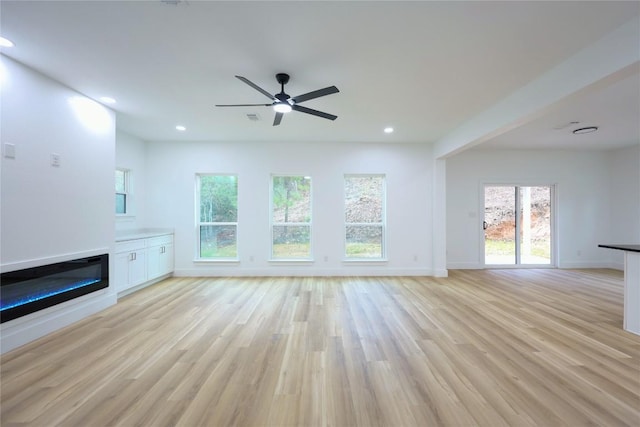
x=518 y=226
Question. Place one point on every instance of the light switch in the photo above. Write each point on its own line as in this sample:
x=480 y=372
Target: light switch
x=9 y=150
x=55 y=160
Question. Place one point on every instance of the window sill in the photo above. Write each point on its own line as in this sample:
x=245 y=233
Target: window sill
x=125 y=217
x=291 y=261
x=217 y=261
x=365 y=261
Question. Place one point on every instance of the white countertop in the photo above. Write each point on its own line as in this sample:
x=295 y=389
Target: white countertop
x=141 y=233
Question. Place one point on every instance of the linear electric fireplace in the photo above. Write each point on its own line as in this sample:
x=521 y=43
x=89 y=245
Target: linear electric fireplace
x=26 y=291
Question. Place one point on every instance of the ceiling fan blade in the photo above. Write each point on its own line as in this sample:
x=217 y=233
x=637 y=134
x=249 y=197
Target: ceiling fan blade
x=256 y=87
x=277 y=119
x=313 y=112
x=315 y=94
x=243 y=105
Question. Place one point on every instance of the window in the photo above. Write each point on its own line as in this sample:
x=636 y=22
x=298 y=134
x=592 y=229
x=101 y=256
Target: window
x=122 y=192
x=364 y=205
x=217 y=201
x=291 y=217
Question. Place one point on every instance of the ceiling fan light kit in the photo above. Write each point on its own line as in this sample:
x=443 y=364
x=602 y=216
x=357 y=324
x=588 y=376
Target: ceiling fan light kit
x=282 y=107
x=282 y=103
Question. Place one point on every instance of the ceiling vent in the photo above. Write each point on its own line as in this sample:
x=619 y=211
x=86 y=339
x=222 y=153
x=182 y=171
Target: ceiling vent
x=253 y=117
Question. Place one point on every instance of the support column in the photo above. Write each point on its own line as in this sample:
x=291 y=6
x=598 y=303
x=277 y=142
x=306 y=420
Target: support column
x=440 y=218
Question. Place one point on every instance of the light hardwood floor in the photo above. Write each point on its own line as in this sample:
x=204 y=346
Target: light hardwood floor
x=490 y=348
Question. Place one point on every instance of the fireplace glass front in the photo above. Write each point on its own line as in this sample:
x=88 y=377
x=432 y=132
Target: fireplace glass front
x=29 y=290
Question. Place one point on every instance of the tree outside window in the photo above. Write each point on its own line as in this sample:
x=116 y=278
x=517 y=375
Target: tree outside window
x=291 y=217
x=364 y=202
x=218 y=216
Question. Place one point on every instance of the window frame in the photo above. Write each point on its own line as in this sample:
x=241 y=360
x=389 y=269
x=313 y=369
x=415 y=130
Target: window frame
x=128 y=205
x=199 y=224
x=382 y=224
x=273 y=224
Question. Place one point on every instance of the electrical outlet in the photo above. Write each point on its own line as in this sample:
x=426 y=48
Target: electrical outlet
x=9 y=151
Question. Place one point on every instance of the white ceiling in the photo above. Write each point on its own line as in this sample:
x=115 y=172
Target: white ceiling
x=615 y=111
x=422 y=67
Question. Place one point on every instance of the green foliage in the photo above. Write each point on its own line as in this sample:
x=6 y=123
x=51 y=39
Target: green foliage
x=289 y=189
x=291 y=250
x=230 y=251
x=539 y=248
x=364 y=250
x=218 y=198
x=291 y=234
x=291 y=198
x=218 y=241
x=218 y=203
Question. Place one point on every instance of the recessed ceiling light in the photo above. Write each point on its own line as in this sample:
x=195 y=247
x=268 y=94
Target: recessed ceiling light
x=388 y=130
x=107 y=100
x=181 y=128
x=6 y=42
x=588 y=129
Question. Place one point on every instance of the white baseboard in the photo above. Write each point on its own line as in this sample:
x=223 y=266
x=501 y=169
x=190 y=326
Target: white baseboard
x=464 y=266
x=288 y=271
x=143 y=285
x=591 y=264
x=23 y=330
x=617 y=266
x=441 y=273
x=566 y=265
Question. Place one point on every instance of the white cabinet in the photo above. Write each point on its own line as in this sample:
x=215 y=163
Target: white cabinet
x=160 y=253
x=130 y=264
x=141 y=261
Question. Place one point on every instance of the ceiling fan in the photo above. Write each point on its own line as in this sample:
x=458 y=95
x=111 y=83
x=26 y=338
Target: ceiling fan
x=283 y=103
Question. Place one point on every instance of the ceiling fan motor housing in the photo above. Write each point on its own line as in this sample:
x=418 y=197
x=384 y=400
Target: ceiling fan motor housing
x=282 y=78
x=283 y=97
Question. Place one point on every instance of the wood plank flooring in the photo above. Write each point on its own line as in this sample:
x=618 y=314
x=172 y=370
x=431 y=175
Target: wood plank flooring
x=489 y=348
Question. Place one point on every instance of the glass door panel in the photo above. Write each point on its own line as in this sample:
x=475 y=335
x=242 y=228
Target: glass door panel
x=535 y=228
x=499 y=225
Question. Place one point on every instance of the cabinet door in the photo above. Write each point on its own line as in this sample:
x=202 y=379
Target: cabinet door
x=121 y=271
x=160 y=260
x=138 y=268
x=167 y=259
x=155 y=262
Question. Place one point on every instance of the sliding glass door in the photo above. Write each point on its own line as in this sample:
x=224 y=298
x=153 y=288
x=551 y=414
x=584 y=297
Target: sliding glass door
x=518 y=225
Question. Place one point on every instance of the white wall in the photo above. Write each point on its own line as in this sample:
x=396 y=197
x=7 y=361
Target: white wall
x=170 y=191
x=624 y=191
x=48 y=213
x=583 y=194
x=131 y=154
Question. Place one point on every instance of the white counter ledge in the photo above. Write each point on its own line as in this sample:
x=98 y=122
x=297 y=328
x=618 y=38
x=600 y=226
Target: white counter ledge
x=141 y=233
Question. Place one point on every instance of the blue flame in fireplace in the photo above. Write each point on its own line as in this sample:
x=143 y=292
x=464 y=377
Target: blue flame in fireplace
x=47 y=294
